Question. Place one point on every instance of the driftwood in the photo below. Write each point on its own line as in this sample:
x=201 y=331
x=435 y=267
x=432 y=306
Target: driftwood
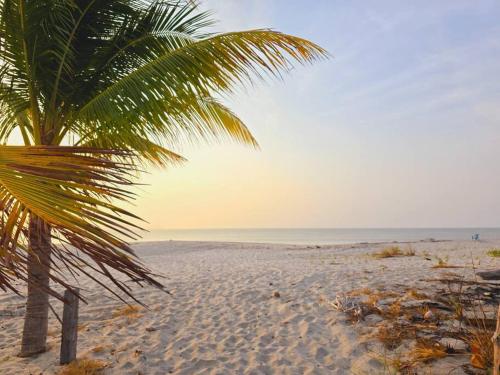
x=490 y=275
x=460 y=281
x=496 y=346
x=69 y=327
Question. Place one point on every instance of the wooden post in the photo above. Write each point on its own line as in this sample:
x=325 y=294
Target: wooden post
x=69 y=327
x=496 y=346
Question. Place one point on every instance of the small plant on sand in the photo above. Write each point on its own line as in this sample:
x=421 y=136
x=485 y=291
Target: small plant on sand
x=394 y=251
x=426 y=351
x=442 y=262
x=415 y=294
x=83 y=367
x=394 y=363
x=495 y=253
x=129 y=311
x=477 y=334
x=394 y=310
x=391 y=336
x=410 y=251
x=100 y=348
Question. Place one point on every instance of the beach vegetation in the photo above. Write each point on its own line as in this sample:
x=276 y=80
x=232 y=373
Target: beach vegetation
x=410 y=251
x=393 y=251
x=428 y=350
x=416 y=294
x=417 y=328
x=392 y=335
x=99 y=349
x=477 y=333
x=98 y=91
x=84 y=367
x=494 y=253
x=442 y=262
x=394 y=362
x=128 y=311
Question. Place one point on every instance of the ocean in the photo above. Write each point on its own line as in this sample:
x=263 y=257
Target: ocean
x=321 y=236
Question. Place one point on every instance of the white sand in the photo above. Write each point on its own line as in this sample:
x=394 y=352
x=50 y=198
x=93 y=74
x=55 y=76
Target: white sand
x=223 y=318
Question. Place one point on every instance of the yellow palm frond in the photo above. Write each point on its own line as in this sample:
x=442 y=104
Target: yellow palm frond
x=72 y=190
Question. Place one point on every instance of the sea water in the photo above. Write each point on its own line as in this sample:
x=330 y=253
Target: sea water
x=321 y=235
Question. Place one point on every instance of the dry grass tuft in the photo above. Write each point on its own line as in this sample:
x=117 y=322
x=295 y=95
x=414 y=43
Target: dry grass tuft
x=395 y=364
x=391 y=336
x=443 y=263
x=495 y=253
x=129 y=311
x=361 y=292
x=100 y=348
x=410 y=251
x=83 y=367
x=426 y=351
x=415 y=294
x=394 y=310
x=394 y=251
x=478 y=334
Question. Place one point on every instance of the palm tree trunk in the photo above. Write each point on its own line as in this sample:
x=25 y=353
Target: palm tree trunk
x=37 y=306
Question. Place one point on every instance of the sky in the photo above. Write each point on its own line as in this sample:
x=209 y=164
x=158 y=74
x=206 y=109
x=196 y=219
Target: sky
x=400 y=128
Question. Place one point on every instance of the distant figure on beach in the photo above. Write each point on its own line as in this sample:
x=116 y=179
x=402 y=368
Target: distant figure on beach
x=475 y=237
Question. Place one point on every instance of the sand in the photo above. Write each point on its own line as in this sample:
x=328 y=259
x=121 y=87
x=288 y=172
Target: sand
x=238 y=309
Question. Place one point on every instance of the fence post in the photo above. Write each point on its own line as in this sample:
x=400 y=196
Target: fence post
x=69 y=327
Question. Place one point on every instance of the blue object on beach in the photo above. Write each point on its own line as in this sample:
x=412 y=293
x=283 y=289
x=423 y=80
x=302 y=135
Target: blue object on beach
x=475 y=237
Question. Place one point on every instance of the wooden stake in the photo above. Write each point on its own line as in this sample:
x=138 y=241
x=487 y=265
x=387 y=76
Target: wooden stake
x=69 y=327
x=496 y=346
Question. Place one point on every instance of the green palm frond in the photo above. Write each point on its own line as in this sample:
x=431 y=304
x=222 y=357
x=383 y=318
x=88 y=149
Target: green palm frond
x=181 y=120
x=203 y=68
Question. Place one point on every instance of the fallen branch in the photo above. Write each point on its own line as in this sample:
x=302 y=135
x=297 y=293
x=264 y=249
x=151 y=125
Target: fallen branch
x=460 y=281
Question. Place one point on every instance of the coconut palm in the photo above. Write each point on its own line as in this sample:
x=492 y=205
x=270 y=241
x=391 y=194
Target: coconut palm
x=97 y=89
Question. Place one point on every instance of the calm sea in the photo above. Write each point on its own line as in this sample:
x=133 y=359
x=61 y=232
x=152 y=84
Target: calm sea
x=313 y=236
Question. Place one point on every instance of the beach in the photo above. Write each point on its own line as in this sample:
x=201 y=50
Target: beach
x=244 y=308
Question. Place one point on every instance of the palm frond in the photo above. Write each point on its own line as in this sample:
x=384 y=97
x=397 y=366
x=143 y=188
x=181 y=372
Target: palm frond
x=149 y=151
x=71 y=190
x=205 y=67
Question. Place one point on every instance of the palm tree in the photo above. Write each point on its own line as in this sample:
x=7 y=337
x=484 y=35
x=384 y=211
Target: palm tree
x=98 y=89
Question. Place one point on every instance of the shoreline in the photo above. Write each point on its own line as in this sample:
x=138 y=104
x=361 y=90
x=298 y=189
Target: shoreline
x=321 y=245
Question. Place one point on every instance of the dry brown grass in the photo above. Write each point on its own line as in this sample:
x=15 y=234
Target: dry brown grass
x=360 y=292
x=410 y=251
x=443 y=263
x=404 y=321
x=494 y=253
x=478 y=333
x=395 y=364
x=394 y=251
x=100 y=348
x=426 y=351
x=415 y=294
x=83 y=367
x=391 y=336
x=394 y=310
x=128 y=311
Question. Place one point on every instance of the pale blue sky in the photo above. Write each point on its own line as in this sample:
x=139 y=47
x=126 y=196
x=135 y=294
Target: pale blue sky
x=400 y=128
